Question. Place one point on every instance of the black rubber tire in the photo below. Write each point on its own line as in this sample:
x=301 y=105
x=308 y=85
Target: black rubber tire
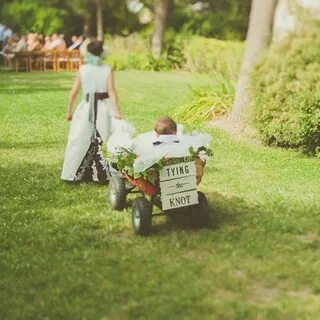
x=141 y=216
x=200 y=213
x=117 y=193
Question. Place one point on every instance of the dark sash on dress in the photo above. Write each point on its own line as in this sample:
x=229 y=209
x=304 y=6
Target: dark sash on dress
x=96 y=96
x=94 y=166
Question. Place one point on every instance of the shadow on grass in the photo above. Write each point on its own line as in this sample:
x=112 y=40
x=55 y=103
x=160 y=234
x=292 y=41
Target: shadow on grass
x=224 y=211
x=33 y=187
x=19 y=90
x=29 y=145
x=26 y=83
x=27 y=189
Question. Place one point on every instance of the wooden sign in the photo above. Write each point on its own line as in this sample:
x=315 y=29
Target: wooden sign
x=178 y=200
x=178 y=185
x=183 y=169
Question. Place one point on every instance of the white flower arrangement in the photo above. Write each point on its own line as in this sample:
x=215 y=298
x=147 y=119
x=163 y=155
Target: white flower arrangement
x=204 y=157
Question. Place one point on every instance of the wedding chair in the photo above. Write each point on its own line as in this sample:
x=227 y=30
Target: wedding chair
x=74 y=60
x=49 y=60
x=62 y=60
x=22 y=61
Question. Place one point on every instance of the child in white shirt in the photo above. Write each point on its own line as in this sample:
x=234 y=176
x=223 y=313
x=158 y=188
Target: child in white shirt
x=167 y=140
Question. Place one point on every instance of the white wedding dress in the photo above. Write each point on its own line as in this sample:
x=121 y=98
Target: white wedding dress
x=82 y=162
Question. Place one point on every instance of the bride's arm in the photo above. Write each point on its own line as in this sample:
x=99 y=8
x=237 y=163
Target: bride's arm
x=113 y=95
x=72 y=97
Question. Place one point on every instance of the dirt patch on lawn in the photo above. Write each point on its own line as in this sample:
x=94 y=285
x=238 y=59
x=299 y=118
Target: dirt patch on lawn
x=263 y=295
x=238 y=131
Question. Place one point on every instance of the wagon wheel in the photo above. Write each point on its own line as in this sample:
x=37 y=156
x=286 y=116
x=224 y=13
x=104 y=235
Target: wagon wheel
x=200 y=213
x=141 y=216
x=117 y=193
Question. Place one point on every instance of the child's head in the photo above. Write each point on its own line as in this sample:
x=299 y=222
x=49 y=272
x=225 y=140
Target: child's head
x=95 y=47
x=165 y=125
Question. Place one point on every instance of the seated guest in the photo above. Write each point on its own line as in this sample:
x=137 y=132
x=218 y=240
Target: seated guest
x=8 y=47
x=34 y=43
x=13 y=46
x=30 y=36
x=76 y=42
x=47 y=43
x=41 y=39
x=7 y=52
x=21 y=45
x=4 y=48
x=7 y=33
x=63 y=44
x=2 y=27
x=56 y=42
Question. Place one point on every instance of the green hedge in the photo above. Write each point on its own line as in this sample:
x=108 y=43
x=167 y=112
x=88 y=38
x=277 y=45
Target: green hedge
x=208 y=55
x=195 y=54
x=286 y=93
x=220 y=59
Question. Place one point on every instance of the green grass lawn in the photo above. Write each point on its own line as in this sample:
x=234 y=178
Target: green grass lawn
x=64 y=254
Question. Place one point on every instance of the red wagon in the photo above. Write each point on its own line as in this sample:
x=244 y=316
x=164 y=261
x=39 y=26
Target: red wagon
x=174 y=189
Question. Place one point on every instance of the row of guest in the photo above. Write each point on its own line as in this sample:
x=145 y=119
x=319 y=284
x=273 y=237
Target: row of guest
x=5 y=33
x=38 y=42
x=34 y=42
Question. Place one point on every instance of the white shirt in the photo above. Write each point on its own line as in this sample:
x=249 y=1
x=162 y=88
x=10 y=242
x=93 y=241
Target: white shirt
x=55 y=44
x=21 y=46
x=75 y=45
x=7 y=33
x=1 y=32
x=151 y=148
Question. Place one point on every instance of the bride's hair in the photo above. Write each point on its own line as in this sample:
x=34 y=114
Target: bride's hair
x=95 y=47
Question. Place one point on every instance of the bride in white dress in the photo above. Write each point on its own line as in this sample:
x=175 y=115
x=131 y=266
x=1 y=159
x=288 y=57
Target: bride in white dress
x=91 y=121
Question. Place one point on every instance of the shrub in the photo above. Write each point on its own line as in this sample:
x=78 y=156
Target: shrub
x=286 y=93
x=212 y=56
x=124 y=60
x=174 y=50
x=130 y=52
x=195 y=54
x=206 y=103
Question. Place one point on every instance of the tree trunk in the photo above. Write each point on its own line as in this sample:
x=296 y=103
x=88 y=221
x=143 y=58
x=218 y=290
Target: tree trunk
x=161 y=10
x=86 y=28
x=258 y=37
x=284 y=21
x=99 y=12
